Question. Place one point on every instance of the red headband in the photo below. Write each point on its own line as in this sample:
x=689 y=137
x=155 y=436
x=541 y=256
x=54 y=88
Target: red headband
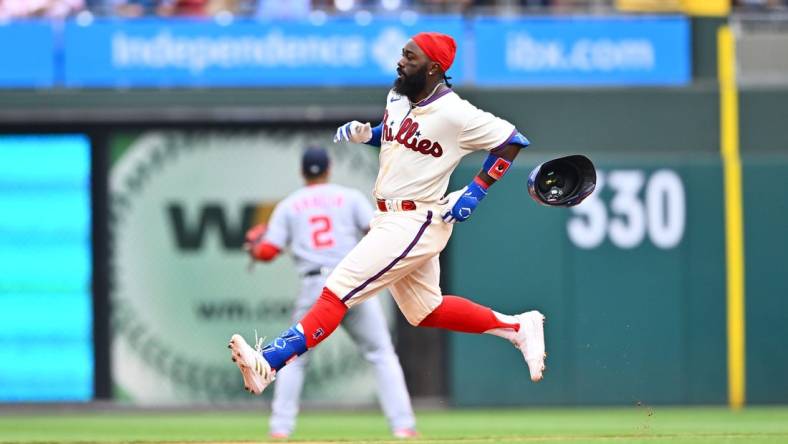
x=440 y=48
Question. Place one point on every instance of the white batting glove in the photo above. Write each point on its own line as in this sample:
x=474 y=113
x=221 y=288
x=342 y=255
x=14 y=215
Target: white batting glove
x=354 y=131
x=448 y=202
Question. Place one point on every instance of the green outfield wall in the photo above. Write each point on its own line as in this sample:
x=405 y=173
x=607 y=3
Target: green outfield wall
x=766 y=249
x=632 y=283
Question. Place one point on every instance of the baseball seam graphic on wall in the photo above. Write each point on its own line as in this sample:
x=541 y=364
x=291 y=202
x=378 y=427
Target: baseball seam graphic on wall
x=180 y=204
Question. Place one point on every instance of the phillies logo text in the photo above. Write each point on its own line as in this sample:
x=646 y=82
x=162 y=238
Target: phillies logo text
x=408 y=136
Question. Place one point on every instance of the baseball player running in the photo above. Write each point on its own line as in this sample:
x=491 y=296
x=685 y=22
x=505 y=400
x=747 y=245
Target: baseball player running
x=426 y=129
x=321 y=223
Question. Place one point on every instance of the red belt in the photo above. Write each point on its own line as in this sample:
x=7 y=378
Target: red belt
x=405 y=205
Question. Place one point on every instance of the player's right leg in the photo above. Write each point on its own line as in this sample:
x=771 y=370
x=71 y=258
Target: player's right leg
x=525 y=330
x=420 y=300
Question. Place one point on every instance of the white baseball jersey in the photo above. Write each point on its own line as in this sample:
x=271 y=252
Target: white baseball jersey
x=320 y=223
x=422 y=145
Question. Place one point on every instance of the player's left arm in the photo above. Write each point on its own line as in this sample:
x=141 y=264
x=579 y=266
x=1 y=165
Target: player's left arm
x=264 y=242
x=358 y=132
x=460 y=204
x=258 y=247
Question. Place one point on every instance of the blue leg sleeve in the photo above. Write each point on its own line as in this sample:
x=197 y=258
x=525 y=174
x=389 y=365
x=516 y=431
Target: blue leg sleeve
x=289 y=344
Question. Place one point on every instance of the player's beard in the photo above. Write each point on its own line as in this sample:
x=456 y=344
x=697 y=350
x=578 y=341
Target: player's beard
x=411 y=85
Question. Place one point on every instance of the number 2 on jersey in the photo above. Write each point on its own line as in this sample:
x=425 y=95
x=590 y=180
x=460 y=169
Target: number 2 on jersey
x=321 y=232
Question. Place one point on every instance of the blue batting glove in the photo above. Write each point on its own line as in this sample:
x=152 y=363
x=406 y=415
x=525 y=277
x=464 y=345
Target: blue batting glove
x=459 y=205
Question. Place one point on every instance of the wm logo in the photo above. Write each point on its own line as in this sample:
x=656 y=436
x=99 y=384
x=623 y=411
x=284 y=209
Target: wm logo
x=190 y=228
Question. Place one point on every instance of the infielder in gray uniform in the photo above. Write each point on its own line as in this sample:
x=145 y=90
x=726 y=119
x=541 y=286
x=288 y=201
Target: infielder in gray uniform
x=321 y=223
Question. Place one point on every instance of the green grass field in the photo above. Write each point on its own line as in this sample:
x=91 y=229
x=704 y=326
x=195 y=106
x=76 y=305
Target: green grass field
x=623 y=425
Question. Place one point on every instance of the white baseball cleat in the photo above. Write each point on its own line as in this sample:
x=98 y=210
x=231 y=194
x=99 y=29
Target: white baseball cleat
x=256 y=371
x=530 y=341
x=405 y=434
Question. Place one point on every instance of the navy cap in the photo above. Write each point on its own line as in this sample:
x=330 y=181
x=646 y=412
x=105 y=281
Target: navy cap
x=314 y=162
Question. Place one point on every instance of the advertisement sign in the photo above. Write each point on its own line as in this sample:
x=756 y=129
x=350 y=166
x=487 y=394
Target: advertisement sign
x=182 y=283
x=27 y=54
x=243 y=53
x=583 y=51
x=46 y=319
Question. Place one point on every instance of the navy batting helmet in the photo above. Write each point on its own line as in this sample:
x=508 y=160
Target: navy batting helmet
x=562 y=182
x=314 y=161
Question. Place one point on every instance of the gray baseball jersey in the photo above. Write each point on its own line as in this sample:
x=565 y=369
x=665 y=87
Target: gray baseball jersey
x=320 y=223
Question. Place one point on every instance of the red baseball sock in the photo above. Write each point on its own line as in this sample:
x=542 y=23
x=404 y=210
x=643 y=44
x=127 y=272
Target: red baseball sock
x=460 y=314
x=323 y=318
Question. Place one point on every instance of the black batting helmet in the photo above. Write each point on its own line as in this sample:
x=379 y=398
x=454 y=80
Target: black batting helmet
x=562 y=182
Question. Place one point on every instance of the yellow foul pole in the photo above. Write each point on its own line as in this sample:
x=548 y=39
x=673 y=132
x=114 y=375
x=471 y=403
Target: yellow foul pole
x=734 y=219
